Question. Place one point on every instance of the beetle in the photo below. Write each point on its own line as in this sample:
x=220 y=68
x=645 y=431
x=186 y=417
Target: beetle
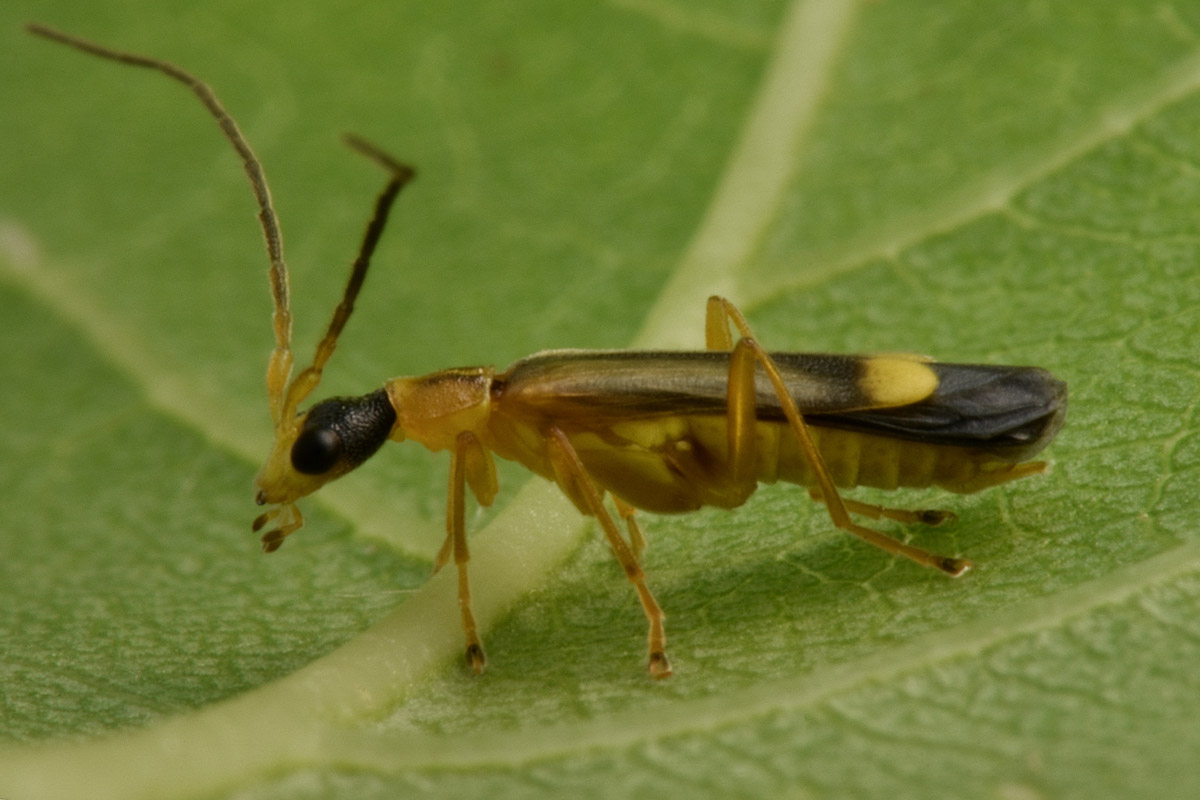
x=660 y=431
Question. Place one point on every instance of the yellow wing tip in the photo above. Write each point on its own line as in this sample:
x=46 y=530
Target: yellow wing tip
x=897 y=380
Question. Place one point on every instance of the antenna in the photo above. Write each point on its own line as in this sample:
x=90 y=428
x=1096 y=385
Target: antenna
x=284 y=397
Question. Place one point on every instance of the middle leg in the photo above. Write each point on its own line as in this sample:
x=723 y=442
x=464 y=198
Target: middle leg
x=575 y=482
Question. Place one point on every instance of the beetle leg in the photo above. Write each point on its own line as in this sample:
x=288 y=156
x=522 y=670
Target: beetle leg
x=637 y=539
x=741 y=413
x=924 y=516
x=290 y=520
x=720 y=313
x=456 y=540
x=717 y=316
x=479 y=471
x=444 y=552
x=578 y=486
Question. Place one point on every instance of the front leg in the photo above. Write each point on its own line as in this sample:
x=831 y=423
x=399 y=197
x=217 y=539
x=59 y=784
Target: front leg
x=466 y=448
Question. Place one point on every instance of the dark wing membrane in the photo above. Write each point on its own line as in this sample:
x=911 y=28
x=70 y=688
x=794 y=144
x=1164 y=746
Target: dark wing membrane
x=1010 y=409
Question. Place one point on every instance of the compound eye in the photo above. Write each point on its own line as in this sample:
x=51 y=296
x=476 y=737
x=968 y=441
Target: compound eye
x=316 y=451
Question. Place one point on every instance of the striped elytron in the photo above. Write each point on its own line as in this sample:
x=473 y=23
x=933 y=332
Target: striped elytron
x=661 y=431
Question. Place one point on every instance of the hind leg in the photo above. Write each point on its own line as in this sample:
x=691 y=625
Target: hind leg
x=746 y=354
x=922 y=516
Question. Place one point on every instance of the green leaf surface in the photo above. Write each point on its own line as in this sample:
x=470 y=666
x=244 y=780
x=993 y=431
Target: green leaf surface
x=1016 y=185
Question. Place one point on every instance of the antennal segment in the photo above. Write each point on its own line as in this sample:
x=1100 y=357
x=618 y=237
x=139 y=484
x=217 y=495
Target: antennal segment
x=308 y=379
x=280 y=365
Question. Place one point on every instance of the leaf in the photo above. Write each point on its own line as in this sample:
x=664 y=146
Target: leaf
x=1012 y=187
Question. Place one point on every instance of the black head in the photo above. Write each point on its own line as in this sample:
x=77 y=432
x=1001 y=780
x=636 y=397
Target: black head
x=340 y=433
